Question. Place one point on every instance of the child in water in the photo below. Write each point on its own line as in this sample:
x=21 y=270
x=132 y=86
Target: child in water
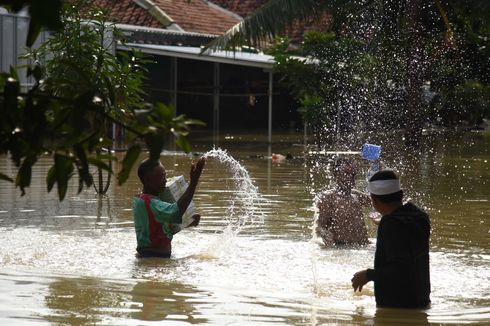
x=155 y=221
x=340 y=218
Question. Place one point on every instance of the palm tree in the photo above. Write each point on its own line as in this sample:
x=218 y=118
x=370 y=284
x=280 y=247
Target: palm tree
x=412 y=21
x=273 y=18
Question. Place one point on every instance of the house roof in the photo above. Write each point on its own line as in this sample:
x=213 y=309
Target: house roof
x=128 y=12
x=237 y=58
x=196 y=16
x=212 y=17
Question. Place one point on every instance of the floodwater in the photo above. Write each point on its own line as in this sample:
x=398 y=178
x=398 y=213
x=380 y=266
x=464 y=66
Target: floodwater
x=73 y=262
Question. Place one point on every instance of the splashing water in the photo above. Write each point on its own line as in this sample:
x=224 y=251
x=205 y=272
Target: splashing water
x=245 y=210
x=245 y=207
x=313 y=242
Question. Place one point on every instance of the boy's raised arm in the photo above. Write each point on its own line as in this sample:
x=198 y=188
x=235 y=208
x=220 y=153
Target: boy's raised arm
x=186 y=198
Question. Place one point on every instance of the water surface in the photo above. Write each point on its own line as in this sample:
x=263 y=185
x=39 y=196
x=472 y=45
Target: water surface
x=73 y=262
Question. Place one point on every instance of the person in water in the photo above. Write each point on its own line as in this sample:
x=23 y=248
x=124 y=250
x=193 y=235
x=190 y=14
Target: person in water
x=401 y=263
x=155 y=221
x=340 y=210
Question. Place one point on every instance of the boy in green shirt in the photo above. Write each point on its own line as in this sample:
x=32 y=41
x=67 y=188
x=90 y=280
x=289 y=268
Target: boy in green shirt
x=155 y=220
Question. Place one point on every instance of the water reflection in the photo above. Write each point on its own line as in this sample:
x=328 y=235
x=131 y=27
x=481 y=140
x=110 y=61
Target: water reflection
x=78 y=301
x=389 y=317
x=88 y=301
x=166 y=301
x=100 y=205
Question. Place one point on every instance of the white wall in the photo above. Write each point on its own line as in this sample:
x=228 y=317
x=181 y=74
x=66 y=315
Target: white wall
x=13 y=34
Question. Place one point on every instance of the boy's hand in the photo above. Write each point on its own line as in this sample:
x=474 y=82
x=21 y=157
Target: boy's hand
x=197 y=219
x=196 y=170
x=186 y=198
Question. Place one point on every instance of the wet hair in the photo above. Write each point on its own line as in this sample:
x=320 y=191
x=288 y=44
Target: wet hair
x=387 y=175
x=145 y=167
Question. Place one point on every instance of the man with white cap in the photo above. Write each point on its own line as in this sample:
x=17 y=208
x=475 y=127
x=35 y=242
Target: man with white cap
x=401 y=263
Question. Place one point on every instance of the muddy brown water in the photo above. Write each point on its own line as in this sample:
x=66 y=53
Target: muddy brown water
x=73 y=262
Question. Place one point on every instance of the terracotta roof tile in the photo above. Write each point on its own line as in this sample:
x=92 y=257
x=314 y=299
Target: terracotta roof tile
x=128 y=12
x=241 y=7
x=192 y=16
x=197 y=16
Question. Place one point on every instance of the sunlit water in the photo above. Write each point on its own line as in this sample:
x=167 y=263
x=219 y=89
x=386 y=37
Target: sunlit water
x=73 y=262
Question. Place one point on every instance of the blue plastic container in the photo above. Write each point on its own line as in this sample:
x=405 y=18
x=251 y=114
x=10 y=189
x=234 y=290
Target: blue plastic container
x=371 y=152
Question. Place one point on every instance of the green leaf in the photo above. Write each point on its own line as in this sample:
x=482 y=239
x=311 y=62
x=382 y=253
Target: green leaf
x=110 y=89
x=80 y=183
x=33 y=32
x=13 y=73
x=63 y=169
x=23 y=179
x=83 y=169
x=99 y=163
x=154 y=142
x=3 y=79
x=130 y=137
x=165 y=112
x=46 y=13
x=142 y=116
x=50 y=179
x=11 y=92
x=129 y=159
x=5 y=177
x=37 y=72
x=194 y=122
x=183 y=143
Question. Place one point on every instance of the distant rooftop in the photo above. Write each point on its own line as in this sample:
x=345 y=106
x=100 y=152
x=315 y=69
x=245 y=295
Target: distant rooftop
x=208 y=18
x=196 y=16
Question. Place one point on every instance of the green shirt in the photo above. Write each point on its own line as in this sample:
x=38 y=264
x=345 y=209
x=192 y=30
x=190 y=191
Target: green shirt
x=164 y=215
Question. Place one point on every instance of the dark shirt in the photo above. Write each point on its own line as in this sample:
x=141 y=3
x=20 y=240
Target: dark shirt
x=401 y=263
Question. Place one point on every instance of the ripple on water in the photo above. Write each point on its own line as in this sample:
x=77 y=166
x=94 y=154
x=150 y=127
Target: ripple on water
x=265 y=277
x=85 y=270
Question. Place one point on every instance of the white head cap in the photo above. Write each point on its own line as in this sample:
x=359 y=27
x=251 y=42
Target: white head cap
x=384 y=187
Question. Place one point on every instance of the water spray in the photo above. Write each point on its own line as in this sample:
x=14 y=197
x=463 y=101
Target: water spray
x=244 y=208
